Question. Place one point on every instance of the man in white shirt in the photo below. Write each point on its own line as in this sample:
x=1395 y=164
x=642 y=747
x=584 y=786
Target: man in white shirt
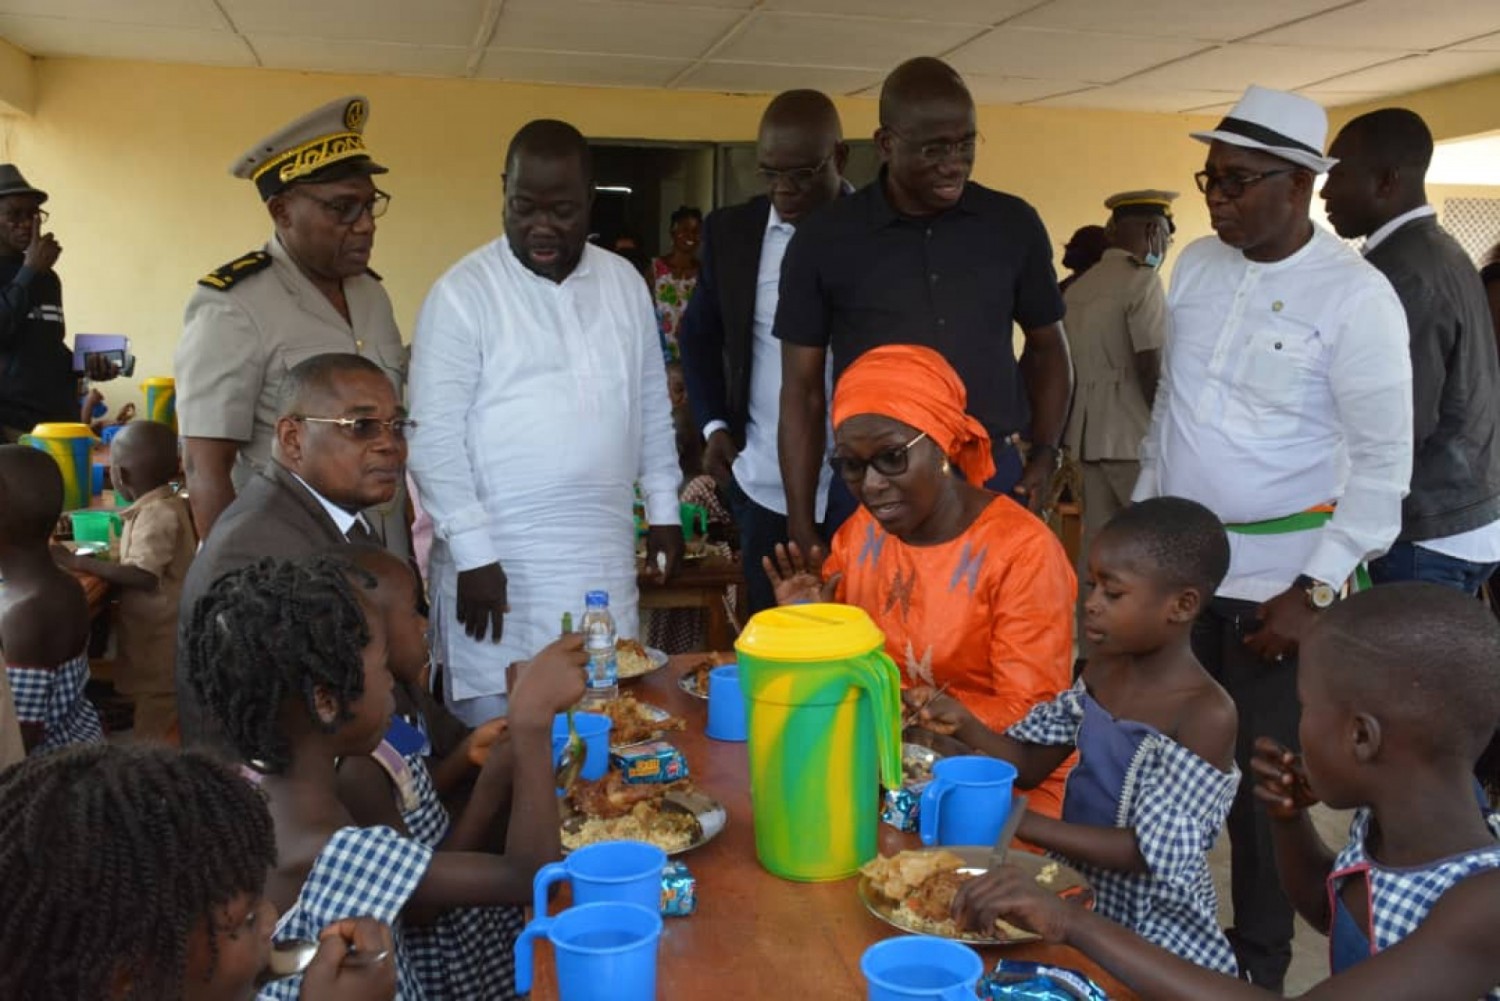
x=1286 y=391
x=730 y=358
x=537 y=371
x=1450 y=532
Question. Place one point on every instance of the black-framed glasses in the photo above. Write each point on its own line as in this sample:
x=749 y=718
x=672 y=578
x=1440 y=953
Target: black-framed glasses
x=941 y=152
x=17 y=218
x=797 y=177
x=364 y=428
x=1231 y=186
x=889 y=462
x=346 y=211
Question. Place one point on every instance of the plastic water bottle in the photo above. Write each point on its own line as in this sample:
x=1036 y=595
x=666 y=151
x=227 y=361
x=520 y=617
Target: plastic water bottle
x=599 y=645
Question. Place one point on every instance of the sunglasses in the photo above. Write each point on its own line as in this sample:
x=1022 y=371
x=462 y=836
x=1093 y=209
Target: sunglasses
x=365 y=428
x=890 y=462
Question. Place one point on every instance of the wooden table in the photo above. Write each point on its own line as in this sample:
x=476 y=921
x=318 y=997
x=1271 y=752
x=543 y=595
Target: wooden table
x=755 y=935
x=698 y=584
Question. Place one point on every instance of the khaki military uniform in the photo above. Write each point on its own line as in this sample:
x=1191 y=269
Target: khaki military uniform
x=1116 y=310
x=247 y=325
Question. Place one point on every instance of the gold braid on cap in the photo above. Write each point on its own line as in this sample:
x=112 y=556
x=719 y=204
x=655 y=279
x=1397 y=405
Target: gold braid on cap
x=299 y=161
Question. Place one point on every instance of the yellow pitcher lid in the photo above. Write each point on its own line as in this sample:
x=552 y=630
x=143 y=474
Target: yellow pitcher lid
x=810 y=632
x=159 y=381
x=62 y=429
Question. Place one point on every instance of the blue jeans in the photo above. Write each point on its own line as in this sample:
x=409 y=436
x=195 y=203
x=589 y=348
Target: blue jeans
x=1409 y=561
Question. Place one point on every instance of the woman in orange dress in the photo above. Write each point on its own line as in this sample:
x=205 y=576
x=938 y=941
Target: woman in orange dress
x=972 y=591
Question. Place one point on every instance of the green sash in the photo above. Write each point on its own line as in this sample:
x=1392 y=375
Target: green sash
x=1302 y=521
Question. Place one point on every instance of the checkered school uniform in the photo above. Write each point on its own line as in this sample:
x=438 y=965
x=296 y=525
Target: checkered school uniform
x=361 y=872
x=468 y=953
x=1174 y=801
x=1400 y=899
x=52 y=697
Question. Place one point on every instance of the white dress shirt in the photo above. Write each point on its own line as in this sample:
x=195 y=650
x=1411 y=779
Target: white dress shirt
x=342 y=518
x=539 y=405
x=1285 y=385
x=758 y=468
x=1477 y=545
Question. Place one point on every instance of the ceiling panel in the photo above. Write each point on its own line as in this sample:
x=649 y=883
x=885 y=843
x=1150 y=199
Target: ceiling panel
x=1416 y=72
x=740 y=5
x=1485 y=43
x=1172 y=18
x=1235 y=67
x=431 y=22
x=587 y=70
x=49 y=36
x=1125 y=97
x=1043 y=54
x=168 y=13
x=1394 y=24
x=610 y=27
x=988 y=89
x=980 y=12
x=758 y=78
x=864 y=43
x=338 y=56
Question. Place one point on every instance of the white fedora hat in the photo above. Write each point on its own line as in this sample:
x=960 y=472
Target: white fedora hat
x=1287 y=125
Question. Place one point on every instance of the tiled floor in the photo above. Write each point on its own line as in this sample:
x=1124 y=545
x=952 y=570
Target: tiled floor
x=1309 y=949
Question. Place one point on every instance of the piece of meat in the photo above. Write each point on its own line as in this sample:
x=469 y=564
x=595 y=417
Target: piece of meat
x=612 y=796
x=933 y=898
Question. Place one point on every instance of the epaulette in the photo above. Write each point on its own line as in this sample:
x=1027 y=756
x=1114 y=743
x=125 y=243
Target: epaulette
x=374 y=274
x=236 y=271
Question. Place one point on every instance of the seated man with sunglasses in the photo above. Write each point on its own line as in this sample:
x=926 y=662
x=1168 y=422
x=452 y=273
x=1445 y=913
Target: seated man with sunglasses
x=973 y=594
x=1285 y=408
x=340 y=450
x=310 y=291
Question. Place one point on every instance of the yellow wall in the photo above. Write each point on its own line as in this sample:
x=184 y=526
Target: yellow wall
x=1451 y=111
x=135 y=157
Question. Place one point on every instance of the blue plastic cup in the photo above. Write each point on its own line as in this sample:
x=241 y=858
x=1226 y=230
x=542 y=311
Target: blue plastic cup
x=918 y=966
x=96 y=483
x=604 y=952
x=967 y=801
x=726 y=704
x=627 y=872
x=594 y=729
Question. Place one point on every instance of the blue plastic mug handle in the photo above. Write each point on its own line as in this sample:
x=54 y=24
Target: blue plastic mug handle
x=927 y=815
x=552 y=872
x=525 y=947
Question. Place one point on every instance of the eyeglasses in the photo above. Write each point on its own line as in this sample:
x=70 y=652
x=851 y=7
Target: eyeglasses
x=891 y=462
x=939 y=152
x=798 y=177
x=1231 y=186
x=24 y=216
x=346 y=211
x=365 y=428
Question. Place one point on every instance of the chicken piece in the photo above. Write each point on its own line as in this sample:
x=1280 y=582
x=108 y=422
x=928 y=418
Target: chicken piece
x=612 y=796
x=933 y=899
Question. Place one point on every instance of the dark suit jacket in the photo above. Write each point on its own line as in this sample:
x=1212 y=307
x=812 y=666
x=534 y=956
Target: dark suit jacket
x=717 y=329
x=273 y=516
x=1455 y=475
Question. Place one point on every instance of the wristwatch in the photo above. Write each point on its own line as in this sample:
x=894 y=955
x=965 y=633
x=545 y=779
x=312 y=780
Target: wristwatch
x=1319 y=594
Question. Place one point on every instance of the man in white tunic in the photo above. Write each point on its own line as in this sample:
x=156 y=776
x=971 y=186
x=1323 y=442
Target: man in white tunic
x=541 y=397
x=1285 y=408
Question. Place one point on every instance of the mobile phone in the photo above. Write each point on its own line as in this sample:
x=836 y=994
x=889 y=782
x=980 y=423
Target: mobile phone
x=124 y=364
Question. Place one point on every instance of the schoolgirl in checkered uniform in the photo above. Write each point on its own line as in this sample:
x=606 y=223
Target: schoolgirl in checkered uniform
x=285 y=657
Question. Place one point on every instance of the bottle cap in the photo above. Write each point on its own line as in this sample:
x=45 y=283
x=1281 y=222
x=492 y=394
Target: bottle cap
x=596 y=599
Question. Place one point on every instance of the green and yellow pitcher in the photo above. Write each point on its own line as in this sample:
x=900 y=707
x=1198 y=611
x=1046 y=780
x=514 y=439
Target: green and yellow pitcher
x=161 y=400
x=70 y=446
x=824 y=709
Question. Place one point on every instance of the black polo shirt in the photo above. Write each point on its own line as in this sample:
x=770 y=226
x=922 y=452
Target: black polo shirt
x=858 y=275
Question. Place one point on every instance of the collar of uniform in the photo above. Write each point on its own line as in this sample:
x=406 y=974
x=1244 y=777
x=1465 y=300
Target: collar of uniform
x=342 y=518
x=1380 y=235
x=883 y=213
x=149 y=497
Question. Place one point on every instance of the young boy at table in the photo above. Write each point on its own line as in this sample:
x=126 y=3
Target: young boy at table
x=157 y=543
x=393 y=786
x=291 y=661
x=44 y=617
x=159 y=894
x=1399 y=696
x=1154 y=733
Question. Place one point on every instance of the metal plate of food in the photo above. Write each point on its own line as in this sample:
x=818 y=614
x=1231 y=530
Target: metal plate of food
x=695 y=680
x=633 y=721
x=913 y=890
x=916 y=765
x=682 y=819
x=632 y=660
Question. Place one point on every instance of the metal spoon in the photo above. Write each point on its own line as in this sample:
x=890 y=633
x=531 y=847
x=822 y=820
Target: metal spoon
x=575 y=753
x=292 y=956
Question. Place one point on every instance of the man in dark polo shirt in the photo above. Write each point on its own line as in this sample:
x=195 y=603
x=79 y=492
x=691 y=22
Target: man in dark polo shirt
x=924 y=256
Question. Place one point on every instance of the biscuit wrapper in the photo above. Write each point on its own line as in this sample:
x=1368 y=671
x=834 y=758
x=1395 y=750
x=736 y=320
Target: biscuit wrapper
x=654 y=761
x=679 y=891
x=1019 y=980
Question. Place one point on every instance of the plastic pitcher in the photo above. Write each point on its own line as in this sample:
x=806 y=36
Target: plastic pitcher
x=96 y=526
x=161 y=400
x=70 y=446
x=824 y=708
x=694 y=520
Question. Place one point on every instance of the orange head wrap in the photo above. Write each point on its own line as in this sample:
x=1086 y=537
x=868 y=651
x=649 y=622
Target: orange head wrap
x=916 y=386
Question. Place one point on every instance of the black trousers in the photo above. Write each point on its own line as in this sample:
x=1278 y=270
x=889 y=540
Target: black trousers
x=1265 y=695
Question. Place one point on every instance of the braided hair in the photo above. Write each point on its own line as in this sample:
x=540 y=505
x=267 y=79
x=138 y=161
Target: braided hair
x=272 y=632
x=110 y=856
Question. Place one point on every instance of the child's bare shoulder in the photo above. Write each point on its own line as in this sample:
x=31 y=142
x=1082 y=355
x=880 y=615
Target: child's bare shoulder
x=1210 y=723
x=46 y=622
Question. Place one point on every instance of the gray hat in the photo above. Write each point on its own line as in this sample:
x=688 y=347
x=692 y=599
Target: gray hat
x=12 y=183
x=325 y=144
